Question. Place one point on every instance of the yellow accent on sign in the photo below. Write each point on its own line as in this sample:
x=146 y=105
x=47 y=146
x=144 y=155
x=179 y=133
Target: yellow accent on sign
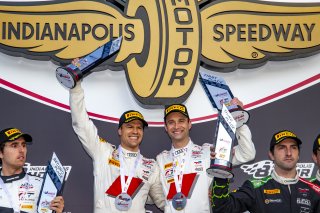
x=114 y=162
x=271 y=191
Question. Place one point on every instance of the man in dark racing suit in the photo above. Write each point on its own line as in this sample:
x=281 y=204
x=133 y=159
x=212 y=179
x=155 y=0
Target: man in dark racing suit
x=282 y=191
x=316 y=159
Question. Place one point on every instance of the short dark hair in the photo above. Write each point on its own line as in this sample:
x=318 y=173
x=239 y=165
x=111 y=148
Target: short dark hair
x=1 y=150
x=315 y=152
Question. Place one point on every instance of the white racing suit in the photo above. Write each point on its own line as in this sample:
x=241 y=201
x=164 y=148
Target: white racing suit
x=24 y=190
x=198 y=199
x=106 y=165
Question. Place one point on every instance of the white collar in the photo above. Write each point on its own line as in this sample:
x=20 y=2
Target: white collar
x=318 y=175
x=283 y=180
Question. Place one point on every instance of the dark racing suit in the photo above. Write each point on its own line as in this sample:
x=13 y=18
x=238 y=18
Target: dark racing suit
x=316 y=180
x=271 y=194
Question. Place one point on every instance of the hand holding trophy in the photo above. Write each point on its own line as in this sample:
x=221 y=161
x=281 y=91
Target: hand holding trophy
x=219 y=93
x=70 y=74
x=230 y=116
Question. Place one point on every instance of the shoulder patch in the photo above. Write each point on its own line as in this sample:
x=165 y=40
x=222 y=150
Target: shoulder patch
x=315 y=187
x=35 y=178
x=164 y=152
x=207 y=145
x=260 y=182
x=312 y=179
x=148 y=162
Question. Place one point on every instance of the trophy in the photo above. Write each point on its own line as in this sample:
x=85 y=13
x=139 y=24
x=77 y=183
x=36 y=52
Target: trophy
x=52 y=185
x=221 y=166
x=70 y=74
x=219 y=93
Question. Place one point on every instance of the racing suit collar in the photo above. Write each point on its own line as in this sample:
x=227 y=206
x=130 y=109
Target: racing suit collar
x=179 y=151
x=11 y=178
x=284 y=181
x=129 y=154
x=318 y=175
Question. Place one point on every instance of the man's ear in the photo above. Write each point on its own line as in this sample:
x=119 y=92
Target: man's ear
x=119 y=131
x=190 y=124
x=165 y=127
x=314 y=158
x=271 y=157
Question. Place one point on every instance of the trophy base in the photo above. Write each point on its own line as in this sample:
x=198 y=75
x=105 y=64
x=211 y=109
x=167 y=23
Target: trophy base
x=220 y=169
x=240 y=116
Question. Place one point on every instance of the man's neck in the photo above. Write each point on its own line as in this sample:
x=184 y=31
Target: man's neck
x=180 y=144
x=130 y=149
x=10 y=171
x=286 y=174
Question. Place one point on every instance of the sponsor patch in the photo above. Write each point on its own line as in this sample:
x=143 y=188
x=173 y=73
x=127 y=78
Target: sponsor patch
x=168 y=173
x=146 y=174
x=114 y=162
x=303 y=191
x=303 y=201
x=28 y=206
x=284 y=134
x=175 y=107
x=132 y=155
x=115 y=154
x=133 y=114
x=271 y=191
x=198 y=167
x=147 y=163
x=168 y=165
x=269 y=201
x=196 y=154
x=11 y=132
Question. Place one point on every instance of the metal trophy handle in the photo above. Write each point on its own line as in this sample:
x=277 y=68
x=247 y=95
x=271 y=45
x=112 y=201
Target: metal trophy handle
x=219 y=93
x=69 y=75
x=221 y=166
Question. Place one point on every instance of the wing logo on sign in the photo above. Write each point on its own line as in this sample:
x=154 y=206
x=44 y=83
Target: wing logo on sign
x=39 y=171
x=264 y=168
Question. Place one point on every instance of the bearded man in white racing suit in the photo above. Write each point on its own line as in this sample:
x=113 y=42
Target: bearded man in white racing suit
x=195 y=159
x=123 y=178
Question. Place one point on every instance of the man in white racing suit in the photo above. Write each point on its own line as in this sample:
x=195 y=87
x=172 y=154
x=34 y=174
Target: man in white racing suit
x=123 y=178
x=19 y=192
x=194 y=160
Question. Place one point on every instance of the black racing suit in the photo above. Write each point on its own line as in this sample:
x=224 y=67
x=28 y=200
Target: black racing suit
x=271 y=194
